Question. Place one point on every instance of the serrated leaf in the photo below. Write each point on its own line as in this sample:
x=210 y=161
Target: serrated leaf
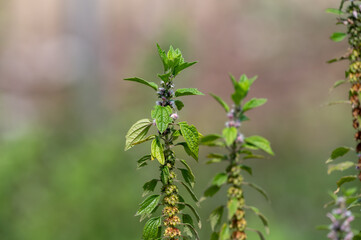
x=147 y=206
x=162 y=117
x=187 y=219
x=260 y=234
x=164 y=175
x=187 y=176
x=258 y=189
x=179 y=104
x=194 y=197
x=187 y=150
x=260 y=143
x=149 y=187
x=253 y=103
x=211 y=191
x=157 y=151
x=188 y=168
x=339 y=167
x=334 y=11
x=193 y=211
x=163 y=57
x=215 y=217
x=232 y=207
x=151 y=137
x=338 y=37
x=143 y=161
x=230 y=135
x=137 y=132
x=142 y=81
x=224 y=233
x=220 y=101
x=151 y=228
x=262 y=217
x=187 y=91
x=338 y=152
x=220 y=179
x=191 y=135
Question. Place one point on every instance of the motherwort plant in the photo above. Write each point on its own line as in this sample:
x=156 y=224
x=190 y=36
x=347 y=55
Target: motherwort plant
x=349 y=15
x=172 y=222
x=238 y=149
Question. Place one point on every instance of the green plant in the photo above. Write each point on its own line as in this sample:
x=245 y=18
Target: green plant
x=173 y=216
x=239 y=149
x=349 y=14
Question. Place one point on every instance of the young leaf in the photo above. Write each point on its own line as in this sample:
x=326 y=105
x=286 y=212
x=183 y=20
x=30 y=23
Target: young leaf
x=220 y=101
x=194 y=197
x=179 y=104
x=216 y=217
x=157 y=151
x=187 y=91
x=334 y=11
x=232 y=207
x=209 y=138
x=338 y=152
x=183 y=66
x=262 y=217
x=338 y=83
x=187 y=176
x=191 y=136
x=162 y=117
x=147 y=206
x=163 y=57
x=164 y=175
x=340 y=167
x=137 y=132
x=257 y=188
x=338 y=37
x=220 y=179
x=149 y=187
x=143 y=161
x=224 y=234
x=142 y=81
x=261 y=143
x=230 y=135
x=253 y=103
x=151 y=228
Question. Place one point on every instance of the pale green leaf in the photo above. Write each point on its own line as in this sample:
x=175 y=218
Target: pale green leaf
x=220 y=101
x=340 y=167
x=157 y=151
x=187 y=91
x=220 y=179
x=253 y=103
x=162 y=117
x=216 y=217
x=338 y=37
x=232 y=207
x=137 y=132
x=147 y=206
x=260 y=143
x=191 y=135
x=230 y=135
x=142 y=81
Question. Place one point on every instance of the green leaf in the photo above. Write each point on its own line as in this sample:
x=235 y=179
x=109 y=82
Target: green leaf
x=157 y=151
x=209 y=138
x=260 y=234
x=179 y=104
x=215 y=236
x=338 y=83
x=220 y=179
x=183 y=66
x=137 y=132
x=151 y=137
x=162 y=117
x=260 y=143
x=191 y=136
x=246 y=168
x=211 y=191
x=338 y=37
x=188 y=168
x=187 y=150
x=216 y=217
x=187 y=91
x=187 y=176
x=340 y=167
x=194 y=212
x=191 y=228
x=253 y=103
x=334 y=11
x=163 y=57
x=345 y=179
x=188 y=220
x=338 y=152
x=230 y=135
x=142 y=81
x=165 y=175
x=143 y=161
x=323 y=227
x=194 y=197
x=220 y=101
x=232 y=207
x=262 y=217
x=224 y=234
x=257 y=188
x=357 y=237
x=151 y=228
x=149 y=187
x=147 y=206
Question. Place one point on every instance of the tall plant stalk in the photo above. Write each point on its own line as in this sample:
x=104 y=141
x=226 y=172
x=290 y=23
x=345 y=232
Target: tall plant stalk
x=239 y=149
x=173 y=218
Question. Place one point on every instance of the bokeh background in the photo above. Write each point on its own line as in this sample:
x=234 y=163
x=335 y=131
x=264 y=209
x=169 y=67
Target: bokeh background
x=65 y=109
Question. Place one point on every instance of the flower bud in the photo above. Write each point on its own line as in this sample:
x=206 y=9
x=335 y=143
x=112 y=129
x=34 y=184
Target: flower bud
x=174 y=116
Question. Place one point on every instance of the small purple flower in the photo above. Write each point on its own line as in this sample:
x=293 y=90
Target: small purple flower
x=345 y=23
x=230 y=115
x=174 y=116
x=158 y=103
x=154 y=123
x=354 y=13
x=240 y=138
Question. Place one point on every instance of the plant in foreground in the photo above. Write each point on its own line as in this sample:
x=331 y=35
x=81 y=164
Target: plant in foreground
x=239 y=149
x=349 y=15
x=173 y=218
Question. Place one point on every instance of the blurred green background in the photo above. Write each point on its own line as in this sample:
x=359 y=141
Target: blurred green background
x=65 y=111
